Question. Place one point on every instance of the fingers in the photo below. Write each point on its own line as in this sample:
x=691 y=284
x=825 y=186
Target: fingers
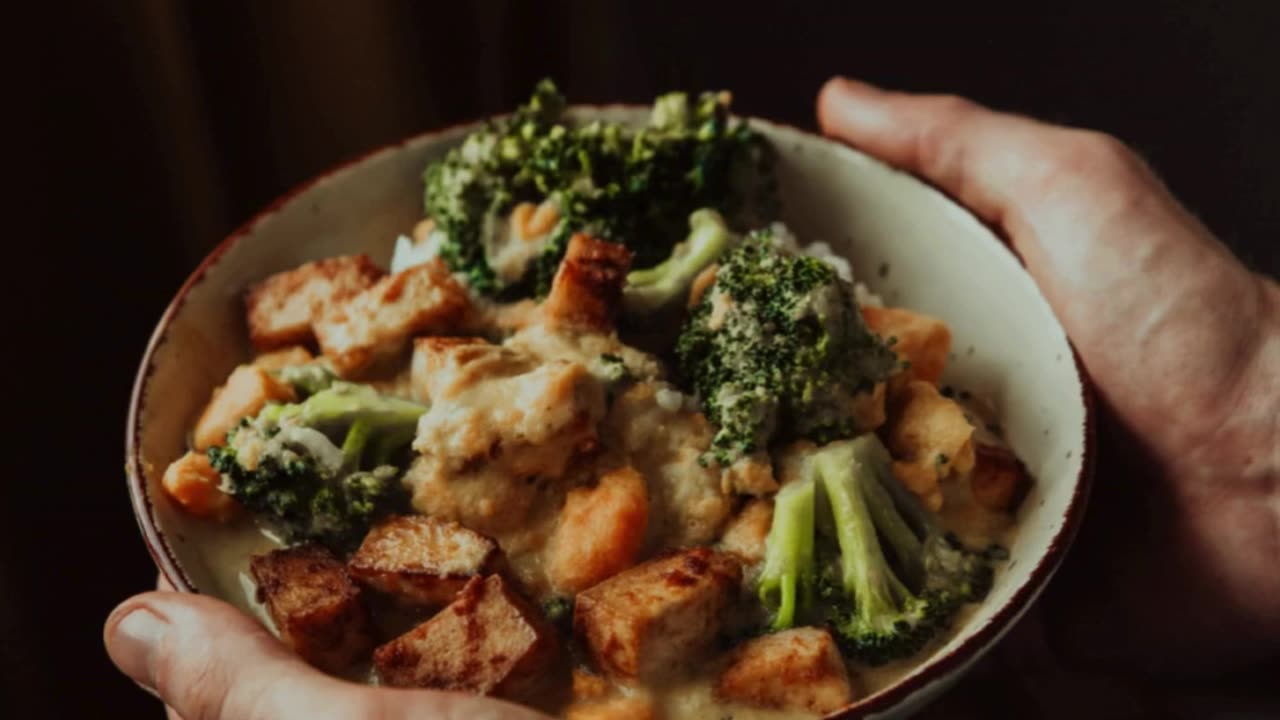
x=208 y=661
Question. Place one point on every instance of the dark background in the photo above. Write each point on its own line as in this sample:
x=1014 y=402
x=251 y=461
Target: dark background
x=157 y=128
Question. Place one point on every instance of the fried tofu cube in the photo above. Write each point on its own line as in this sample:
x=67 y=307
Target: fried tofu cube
x=587 y=288
x=649 y=621
x=930 y=440
x=282 y=308
x=283 y=358
x=619 y=707
x=599 y=533
x=378 y=322
x=999 y=479
x=317 y=609
x=798 y=669
x=489 y=641
x=919 y=339
x=422 y=561
x=193 y=483
x=746 y=533
x=247 y=391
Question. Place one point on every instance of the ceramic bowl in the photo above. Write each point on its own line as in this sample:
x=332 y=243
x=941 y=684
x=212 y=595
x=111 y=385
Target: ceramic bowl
x=908 y=242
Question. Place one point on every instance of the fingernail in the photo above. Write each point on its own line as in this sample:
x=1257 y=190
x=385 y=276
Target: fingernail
x=134 y=643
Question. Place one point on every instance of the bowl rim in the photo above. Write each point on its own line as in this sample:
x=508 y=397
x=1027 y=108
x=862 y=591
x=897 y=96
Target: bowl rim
x=937 y=667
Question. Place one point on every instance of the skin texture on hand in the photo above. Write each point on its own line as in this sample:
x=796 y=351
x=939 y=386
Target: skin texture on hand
x=1176 y=566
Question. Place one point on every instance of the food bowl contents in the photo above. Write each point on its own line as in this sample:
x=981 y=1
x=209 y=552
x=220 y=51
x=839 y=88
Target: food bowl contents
x=605 y=439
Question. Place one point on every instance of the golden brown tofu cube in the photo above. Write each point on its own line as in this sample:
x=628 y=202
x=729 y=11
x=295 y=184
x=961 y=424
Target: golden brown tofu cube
x=248 y=390
x=657 y=617
x=282 y=308
x=422 y=561
x=999 y=480
x=283 y=358
x=378 y=322
x=746 y=533
x=193 y=483
x=489 y=641
x=600 y=531
x=317 y=609
x=799 y=669
x=919 y=339
x=588 y=286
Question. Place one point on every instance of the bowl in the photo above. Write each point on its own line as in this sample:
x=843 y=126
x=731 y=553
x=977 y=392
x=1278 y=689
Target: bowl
x=906 y=241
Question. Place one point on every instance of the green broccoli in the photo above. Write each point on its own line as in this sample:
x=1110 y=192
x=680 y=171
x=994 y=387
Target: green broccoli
x=661 y=286
x=307 y=379
x=631 y=186
x=894 y=579
x=323 y=469
x=777 y=349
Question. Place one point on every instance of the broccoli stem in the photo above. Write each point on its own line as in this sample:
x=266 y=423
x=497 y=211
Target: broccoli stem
x=354 y=444
x=786 y=583
x=664 y=284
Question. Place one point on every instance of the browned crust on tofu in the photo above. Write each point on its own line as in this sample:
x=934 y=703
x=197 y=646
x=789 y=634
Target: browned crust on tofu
x=489 y=641
x=281 y=309
x=999 y=480
x=653 y=619
x=798 y=669
x=318 y=611
x=378 y=322
x=422 y=561
x=588 y=286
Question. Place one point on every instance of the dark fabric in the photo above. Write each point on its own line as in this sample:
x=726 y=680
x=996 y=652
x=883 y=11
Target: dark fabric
x=162 y=126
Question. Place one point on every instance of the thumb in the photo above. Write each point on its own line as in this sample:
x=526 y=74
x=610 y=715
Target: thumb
x=208 y=661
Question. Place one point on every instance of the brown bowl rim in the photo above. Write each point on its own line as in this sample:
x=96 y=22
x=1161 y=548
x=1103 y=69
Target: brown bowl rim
x=937 y=667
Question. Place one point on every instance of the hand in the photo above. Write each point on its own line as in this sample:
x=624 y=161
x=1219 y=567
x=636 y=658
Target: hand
x=208 y=661
x=1176 y=567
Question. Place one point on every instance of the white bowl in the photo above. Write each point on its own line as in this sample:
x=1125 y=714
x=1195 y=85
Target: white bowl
x=908 y=242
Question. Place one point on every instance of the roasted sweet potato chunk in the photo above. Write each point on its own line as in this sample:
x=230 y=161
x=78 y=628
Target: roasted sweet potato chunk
x=489 y=641
x=798 y=669
x=999 y=480
x=919 y=339
x=422 y=561
x=317 y=609
x=282 y=308
x=600 y=531
x=249 y=388
x=657 y=617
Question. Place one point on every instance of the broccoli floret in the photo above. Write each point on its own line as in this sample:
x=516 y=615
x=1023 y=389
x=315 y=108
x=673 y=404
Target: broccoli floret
x=559 y=612
x=323 y=469
x=661 y=286
x=894 y=578
x=777 y=349
x=636 y=187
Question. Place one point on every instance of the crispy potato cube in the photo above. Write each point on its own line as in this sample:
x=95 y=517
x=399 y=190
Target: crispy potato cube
x=489 y=641
x=921 y=340
x=599 y=533
x=378 y=322
x=798 y=669
x=999 y=479
x=653 y=619
x=638 y=706
x=193 y=483
x=282 y=308
x=283 y=358
x=588 y=286
x=317 y=609
x=746 y=533
x=247 y=391
x=422 y=561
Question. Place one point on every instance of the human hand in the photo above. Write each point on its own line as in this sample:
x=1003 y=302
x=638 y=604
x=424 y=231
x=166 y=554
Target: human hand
x=208 y=661
x=1176 y=564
